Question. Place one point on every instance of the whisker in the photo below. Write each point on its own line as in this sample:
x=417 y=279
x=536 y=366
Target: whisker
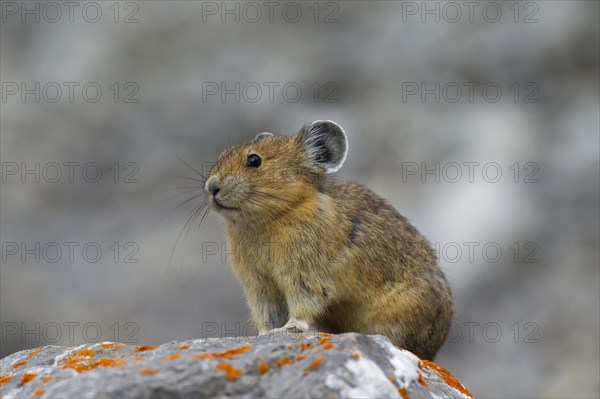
x=179 y=237
x=178 y=188
x=201 y=211
x=203 y=217
x=185 y=178
x=195 y=214
x=189 y=166
x=176 y=208
x=179 y=177
x=173 y=196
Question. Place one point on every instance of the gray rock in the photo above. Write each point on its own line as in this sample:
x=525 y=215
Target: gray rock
x=289 y=365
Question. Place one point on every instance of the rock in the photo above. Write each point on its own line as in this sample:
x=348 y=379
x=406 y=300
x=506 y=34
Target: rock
x=290 y=365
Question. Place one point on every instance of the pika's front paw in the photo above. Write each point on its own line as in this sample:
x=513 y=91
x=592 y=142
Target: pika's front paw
x=295 y=326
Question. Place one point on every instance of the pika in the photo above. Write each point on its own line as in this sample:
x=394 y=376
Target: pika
x=340 y=258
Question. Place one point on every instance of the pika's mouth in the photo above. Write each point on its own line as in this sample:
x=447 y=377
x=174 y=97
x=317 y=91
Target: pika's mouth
x=220 y=207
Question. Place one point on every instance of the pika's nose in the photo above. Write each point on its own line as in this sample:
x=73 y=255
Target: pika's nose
x=213 y=185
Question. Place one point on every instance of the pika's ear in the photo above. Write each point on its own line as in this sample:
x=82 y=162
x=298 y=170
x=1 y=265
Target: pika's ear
x=326 y=144
x=262 y=135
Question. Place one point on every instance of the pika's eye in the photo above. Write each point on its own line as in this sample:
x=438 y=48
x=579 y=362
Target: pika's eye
x=254 y=161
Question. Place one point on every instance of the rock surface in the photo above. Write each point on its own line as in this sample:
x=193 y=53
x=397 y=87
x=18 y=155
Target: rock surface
x=344 y=366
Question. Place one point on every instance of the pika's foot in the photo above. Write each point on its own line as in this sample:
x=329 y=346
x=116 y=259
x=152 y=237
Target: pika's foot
x=295 y=326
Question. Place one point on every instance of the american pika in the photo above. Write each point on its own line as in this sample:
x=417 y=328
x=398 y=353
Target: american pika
x=340 y=258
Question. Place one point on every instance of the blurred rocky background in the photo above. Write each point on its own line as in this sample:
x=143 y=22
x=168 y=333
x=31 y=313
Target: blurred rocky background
x=478 y=120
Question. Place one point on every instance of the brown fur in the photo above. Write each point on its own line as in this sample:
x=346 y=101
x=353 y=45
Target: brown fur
x=333 y=255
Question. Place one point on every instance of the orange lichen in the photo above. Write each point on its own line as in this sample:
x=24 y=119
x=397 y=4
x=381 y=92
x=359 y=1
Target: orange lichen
x=184 y=347
x=422 y=381
x=403 y=393
x=137 y=359
x=47 y=379
x=263 y=367
x=325 y=339
x=284 y=361
x=85 y=360
x=327 y=346
x=392 y=380
x=150 y=371
x=304 y=346
x=86 y=353
x=32 y=354
x=39 y=392
x=315 y=364
x=142 y=348
x=17 y=365
x=301 y=357
x=79 y=361
x=356 y=356
x=230 y=372
x=447 y=377
x=174 y=356
x=105 y=362
x=111 y=346
x=228 y=354
x=5 y=379
x=28 y=377
x=325 y=342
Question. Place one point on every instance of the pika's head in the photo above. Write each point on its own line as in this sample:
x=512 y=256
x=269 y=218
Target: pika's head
x=270 y=175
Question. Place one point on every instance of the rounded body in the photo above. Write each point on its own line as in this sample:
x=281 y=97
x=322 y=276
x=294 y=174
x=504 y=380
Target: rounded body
x=312 y=253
